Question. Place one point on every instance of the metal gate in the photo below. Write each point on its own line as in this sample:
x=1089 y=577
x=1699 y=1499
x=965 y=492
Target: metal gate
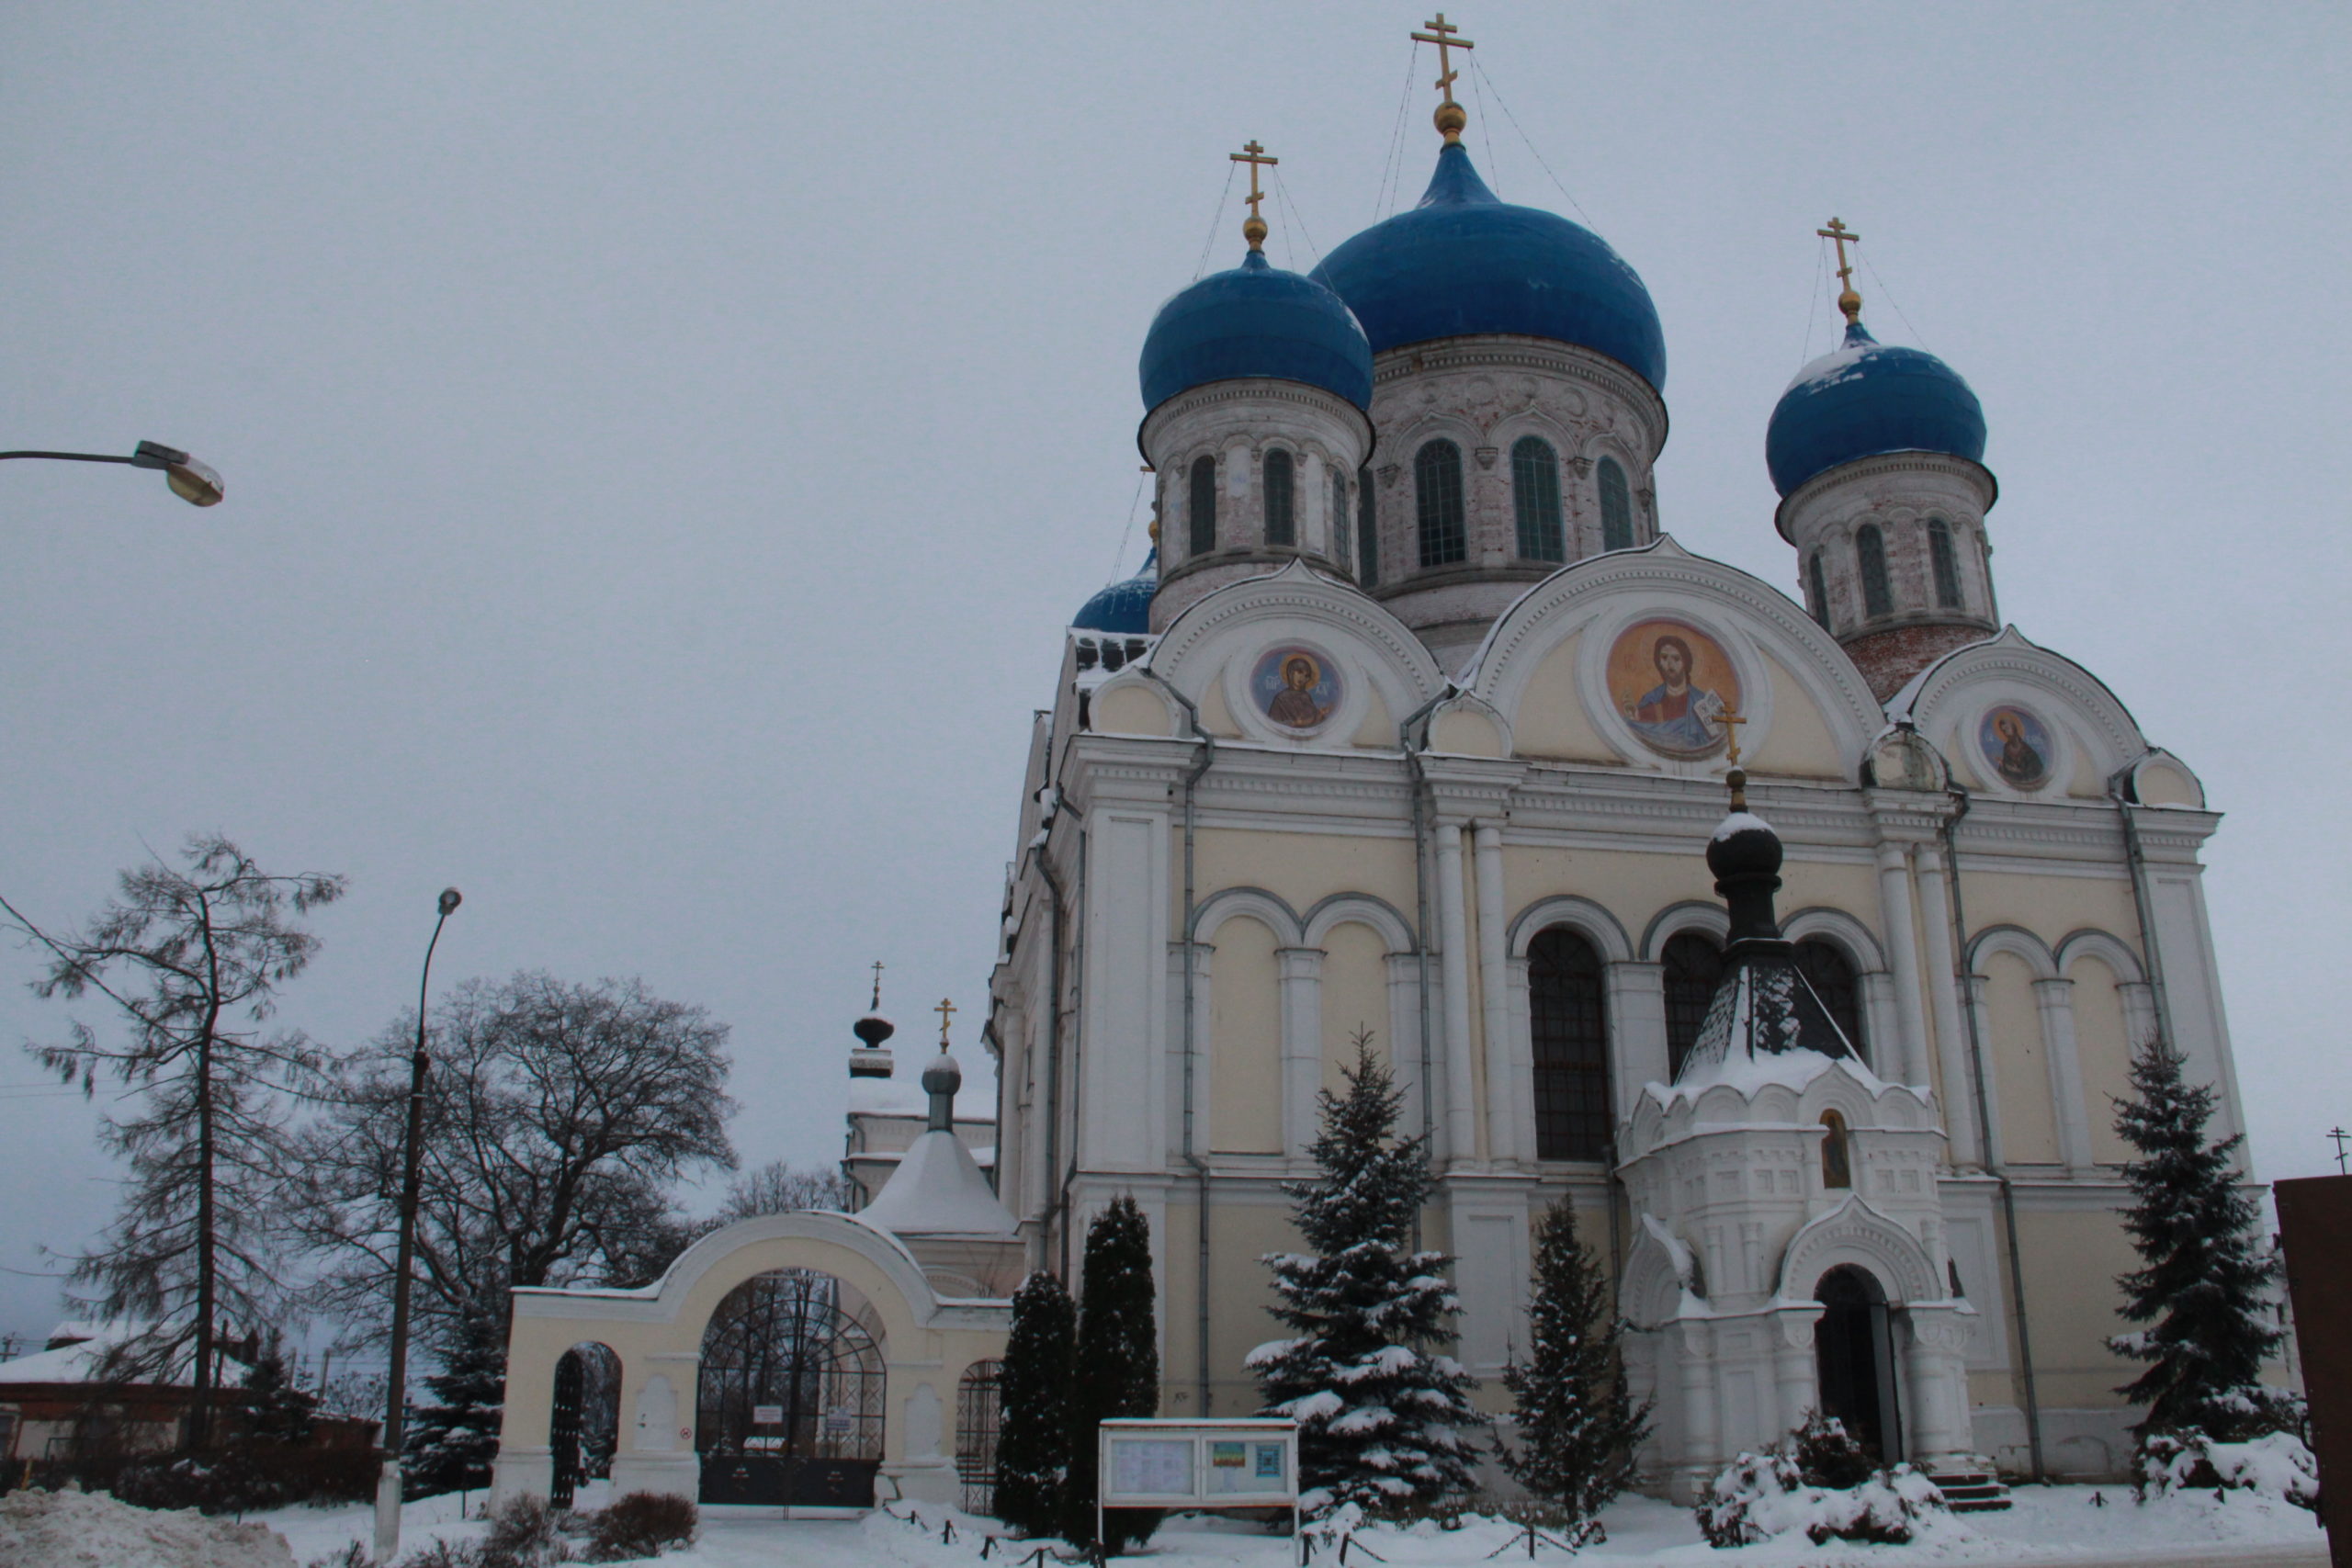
x=977 y=1403
x=564 y=1433
x=789 y=1406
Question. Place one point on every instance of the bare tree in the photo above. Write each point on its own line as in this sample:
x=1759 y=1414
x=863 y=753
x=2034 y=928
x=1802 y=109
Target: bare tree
x=191 y=957
x=781 y=1186
x=558 y=1118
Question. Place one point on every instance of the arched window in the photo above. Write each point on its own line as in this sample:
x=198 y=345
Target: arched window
x=1693 y=966
x=1201 y=513
x=1282 y=499
x=1870 y=548
x=1367 y=536
x=1946 y=564
x=1831 y=973
x=1343 y=538
x=1820 y=590
x=1535 y=497
x=1437 y=488
x=1837 y=1153
x=1569 y=1022
x=1616 y=508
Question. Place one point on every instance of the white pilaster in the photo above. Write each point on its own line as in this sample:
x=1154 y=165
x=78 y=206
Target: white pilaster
x=2055 y=1001
x=1968 y=1141
x=1903 y=953
x=1637 y=1053
x=1454 y=927
x=1299 y=972
x=1504 y=1087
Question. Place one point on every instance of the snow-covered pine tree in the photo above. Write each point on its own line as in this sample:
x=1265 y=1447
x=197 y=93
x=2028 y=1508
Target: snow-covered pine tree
x=2203 y=1268
x=1117 y=1367
x=1578 y=1424
x=452 y=1441
x=1033 y=1426
x=1380 y=1414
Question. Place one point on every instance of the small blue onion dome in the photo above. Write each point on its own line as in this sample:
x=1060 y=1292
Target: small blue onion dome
x=1256 y=319
x=1123 y=608
x=1865 y=398
x=1464 y=262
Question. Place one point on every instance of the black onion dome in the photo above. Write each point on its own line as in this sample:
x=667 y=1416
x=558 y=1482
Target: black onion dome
x=872 y=1029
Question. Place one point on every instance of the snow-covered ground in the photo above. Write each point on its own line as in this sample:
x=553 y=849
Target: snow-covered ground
x=2051 y=1525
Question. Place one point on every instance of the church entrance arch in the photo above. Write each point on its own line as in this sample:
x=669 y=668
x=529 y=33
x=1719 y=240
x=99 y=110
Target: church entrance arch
x=586 y=1420
x=790 y=1398
x=1853 y=1348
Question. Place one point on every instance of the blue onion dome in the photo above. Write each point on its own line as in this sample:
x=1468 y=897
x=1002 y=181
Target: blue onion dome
x=1865 y=398
x=1463 y=261
x=1123 y=608
x=1256 y=319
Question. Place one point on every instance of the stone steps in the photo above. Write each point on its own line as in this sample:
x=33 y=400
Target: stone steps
x=1973 y=1492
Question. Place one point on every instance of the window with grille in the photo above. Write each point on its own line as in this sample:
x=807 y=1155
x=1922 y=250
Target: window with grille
x=1616 y=507
x=1869 y=550
x=1282 y=520
x=1536 y=498
x=1568 y=1019
x=1201 y=514
x=1436 y=490
x=1694 y=966
x=1367 y=536
x=977 y=1405
x=1831 y=973
x=1946 y=564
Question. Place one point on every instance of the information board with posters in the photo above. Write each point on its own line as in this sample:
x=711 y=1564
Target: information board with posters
x=1200 y=1464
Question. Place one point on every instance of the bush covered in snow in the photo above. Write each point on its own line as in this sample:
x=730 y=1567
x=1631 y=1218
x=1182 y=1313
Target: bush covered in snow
x=1820 y=1481
x=2276 y=1465
x=80 y=1529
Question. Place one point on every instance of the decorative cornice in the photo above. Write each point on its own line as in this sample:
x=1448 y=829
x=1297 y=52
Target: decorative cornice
x=1252 y=389
x=1504 y=352
x=1862 y=470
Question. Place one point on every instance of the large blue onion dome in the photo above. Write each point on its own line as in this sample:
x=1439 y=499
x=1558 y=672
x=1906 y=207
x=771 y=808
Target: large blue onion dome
x=1463 y=261
x=1865 y=398
x=1256 y=319
x=1123 y=608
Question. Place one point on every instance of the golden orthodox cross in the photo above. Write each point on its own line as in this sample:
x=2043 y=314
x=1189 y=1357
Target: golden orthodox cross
x=1441 y=33
x=944 y=1009
x=1730 y=721
x=1254 y=229
x=876 y=1002
x=1842 y=236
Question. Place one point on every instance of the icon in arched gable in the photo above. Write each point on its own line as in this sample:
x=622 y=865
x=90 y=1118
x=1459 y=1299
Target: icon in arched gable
x=1298 y=688
x=2016 y=745
x=1673 y=683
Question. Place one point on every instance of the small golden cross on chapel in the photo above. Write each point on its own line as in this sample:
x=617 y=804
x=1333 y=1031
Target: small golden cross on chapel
x=1842 y=236
x=1450 y=118
x=876 y=1002
x=1731 y=721
x=1254 y=229
x=944 y=1009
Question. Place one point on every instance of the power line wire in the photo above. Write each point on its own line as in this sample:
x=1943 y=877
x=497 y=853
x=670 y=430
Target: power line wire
x=1392 y=166
x=1215 y=218
x=1916 y=335
x=1504 y=104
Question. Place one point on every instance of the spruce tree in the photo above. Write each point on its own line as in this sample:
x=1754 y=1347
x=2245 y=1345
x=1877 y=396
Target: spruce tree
x=1116 y=1371
x=2203 y=1268
x=452 y=1442
x=1033 y=1425
x=1577 y=1425
x=1380 y=1413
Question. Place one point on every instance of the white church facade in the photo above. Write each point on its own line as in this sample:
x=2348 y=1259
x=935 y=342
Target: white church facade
x=1418 y=726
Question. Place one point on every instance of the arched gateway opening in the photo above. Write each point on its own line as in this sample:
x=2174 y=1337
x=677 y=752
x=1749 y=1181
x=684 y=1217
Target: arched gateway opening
x=790 y=1400
x=1853 y=1348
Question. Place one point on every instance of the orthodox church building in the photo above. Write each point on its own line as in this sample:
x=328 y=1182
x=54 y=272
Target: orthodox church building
x=1416 y=727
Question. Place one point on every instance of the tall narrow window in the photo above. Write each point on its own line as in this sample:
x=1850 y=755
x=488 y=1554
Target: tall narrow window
x=1837 y=1153
x=1946 y=564
x=1869 y=550
x=1616 y=508
x=1342 y=536
x=1693 y=966
x=1202 y=511
x=1367 y=536
x=1820 y=588
x=1569 y=1024
x=1535 y=496
x=1437 y=488
x=1282 y=499
x=1831 y=973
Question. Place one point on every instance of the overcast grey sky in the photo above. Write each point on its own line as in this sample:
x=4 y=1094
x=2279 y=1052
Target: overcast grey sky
x=664 y=442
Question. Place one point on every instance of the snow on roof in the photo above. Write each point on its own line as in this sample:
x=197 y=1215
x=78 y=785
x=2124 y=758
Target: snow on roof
x=1741 y=823
x=938 y=1190
x=87 y=1345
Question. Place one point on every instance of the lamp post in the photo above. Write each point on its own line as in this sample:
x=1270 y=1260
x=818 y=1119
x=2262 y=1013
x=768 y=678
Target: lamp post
x=190 y=481
x=388 y=1479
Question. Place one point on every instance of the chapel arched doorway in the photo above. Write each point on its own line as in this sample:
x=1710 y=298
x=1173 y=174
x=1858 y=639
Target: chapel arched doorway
x=1853 y=1348
x=789 y=1402
x=585 y=1422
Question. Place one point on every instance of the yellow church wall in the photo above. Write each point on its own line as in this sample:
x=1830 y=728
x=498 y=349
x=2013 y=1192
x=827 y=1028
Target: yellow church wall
x=2087 y=784
x=1634 y=886
x=1245 y=1053
x=1799 y=745
x=2161 y=784
x=1378 y=731
x=2103 y=1049
x=1466 y=734
x=1130 y=710
x=2050 y=906
x=1355 y=994
x=1216 y=717
x=2072 y=1260
x=1302 y=869
x=2020 y=1063
x=1240 y=1292
x=1551 y=721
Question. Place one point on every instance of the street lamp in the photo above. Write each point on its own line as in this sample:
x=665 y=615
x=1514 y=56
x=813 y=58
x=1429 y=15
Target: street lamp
x=388 y=1479
x=190 y=481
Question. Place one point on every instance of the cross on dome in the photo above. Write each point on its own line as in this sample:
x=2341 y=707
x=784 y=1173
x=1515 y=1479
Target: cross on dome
x=1847 y=301
x=944 y=1009
x=876 y=1002
x=1441 y=33
x=1254 y=229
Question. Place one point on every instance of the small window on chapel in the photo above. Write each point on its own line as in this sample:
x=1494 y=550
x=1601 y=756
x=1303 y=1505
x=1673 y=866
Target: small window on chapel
x=1201 y=511
x=1535 y=498
x=1437 y=493
x=1616 y=507
x=1837 y=1153
x=1282 y=499
x=1869 y=554
x=1946 y=564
